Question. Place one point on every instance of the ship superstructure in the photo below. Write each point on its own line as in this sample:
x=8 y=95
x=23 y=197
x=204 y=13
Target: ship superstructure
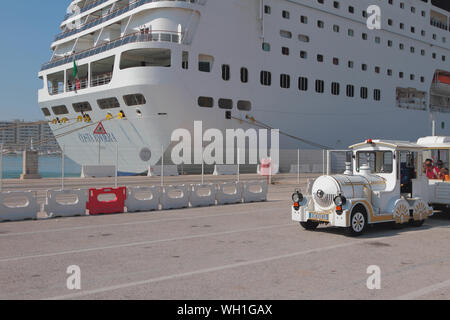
x=311 y=68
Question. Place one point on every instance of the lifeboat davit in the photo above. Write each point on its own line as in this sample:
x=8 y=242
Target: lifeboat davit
x=441 y=84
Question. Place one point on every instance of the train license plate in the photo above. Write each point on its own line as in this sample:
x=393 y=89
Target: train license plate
x=319 y=216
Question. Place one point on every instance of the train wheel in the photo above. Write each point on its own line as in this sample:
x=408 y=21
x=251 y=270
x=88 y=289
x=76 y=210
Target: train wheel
x=358 y=222
x=309 y=225
x=417 y=223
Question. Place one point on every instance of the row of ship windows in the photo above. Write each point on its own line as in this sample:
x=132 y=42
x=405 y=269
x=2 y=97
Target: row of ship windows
x=304 y=38
x=285 y=82
x=227 y=104
x=321 y=24
x=351 y=9
x=104 y=104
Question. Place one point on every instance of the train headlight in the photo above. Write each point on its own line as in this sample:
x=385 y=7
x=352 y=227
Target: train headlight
x=340 y=201
x=297 y=197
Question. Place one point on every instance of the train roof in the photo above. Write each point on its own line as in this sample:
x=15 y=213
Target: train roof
x=393 y=144
x=435 y=142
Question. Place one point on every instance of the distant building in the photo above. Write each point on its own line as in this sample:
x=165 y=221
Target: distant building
x=19 y=135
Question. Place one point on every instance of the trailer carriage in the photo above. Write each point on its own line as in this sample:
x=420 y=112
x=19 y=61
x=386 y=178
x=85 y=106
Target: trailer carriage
x=387 y=184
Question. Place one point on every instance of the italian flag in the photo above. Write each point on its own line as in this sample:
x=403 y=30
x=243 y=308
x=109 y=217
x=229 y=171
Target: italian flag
x=75 y=74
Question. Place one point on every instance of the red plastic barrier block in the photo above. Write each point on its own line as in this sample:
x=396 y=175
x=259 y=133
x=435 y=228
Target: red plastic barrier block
x=117 y=205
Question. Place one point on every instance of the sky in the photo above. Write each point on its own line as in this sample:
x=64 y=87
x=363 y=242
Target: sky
x=28 y=30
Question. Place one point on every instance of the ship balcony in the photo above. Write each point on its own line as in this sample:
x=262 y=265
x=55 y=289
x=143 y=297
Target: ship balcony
x=88 y=5
x=95 y=74
x=114 y=14
x=146 y=36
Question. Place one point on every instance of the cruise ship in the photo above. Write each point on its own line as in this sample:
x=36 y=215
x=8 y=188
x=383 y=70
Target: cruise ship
x=321 y=71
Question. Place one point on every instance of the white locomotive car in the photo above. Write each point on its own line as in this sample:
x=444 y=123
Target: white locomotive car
x=386 y=185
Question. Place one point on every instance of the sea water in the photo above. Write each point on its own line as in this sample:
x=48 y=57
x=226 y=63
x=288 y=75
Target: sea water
x=49 y=167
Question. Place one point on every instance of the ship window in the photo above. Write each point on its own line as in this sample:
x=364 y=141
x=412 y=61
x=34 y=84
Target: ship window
x=205 y=102
x=303 y=54
x=285 y=51
x=82 y=107
x=185 y=60
x=320 y=86
x=205 y=63
x=377 y=94
x=102 y=71
x=151 y=57
x=46 y=112
x=286 y=14
x=303 y=38
x=350 y=91
x=266 y=78
x=55 y=83
x=226 y=72
x=303 y=84
x=226 y=104
x=244 y=105
x=60 y=110
x=285 y=81
x=364 y=93
x=304 y=19
x=335 y=88
x=286 y=34
x=267 y=9
x=108 y=103
x=244 y=75
x=266 y=46
x=378 y=161
x=134 y=100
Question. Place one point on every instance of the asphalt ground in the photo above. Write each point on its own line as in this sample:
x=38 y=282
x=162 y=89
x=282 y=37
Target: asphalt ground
x=245 y=251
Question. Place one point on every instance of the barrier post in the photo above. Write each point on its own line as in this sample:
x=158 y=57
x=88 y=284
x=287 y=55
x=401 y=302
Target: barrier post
x=62 y=166
x=323 y=161
x=328 y=162
x=1 y=167
x=298 y=166
x=203 y=167
x=162 y=166
x=238 y=165
x=117 y=166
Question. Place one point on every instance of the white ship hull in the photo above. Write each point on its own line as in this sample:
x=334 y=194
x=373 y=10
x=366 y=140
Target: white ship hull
x=335 y=121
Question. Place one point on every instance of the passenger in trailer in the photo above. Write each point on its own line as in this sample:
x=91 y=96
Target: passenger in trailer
x=430 y=170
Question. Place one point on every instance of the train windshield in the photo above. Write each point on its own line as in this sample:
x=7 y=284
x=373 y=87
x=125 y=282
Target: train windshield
x=379 y=161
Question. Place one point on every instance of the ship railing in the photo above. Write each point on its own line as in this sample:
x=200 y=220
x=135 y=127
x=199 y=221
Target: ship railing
x=154 y=35
x=55 y=90
x=75 y=86
x=438 y=24
x=86 y=8
x=114 y=14
x=101 y=79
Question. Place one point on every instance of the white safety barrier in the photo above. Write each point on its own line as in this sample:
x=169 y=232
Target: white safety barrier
x=203 y=195
x=169 y=171
x=304 y=168
x=17 y=212
x=55 y=208
x=224 y=196
x=98 y=171
x=225 y=170
x=175 y=197
x=141 y=199
x=255 y=191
